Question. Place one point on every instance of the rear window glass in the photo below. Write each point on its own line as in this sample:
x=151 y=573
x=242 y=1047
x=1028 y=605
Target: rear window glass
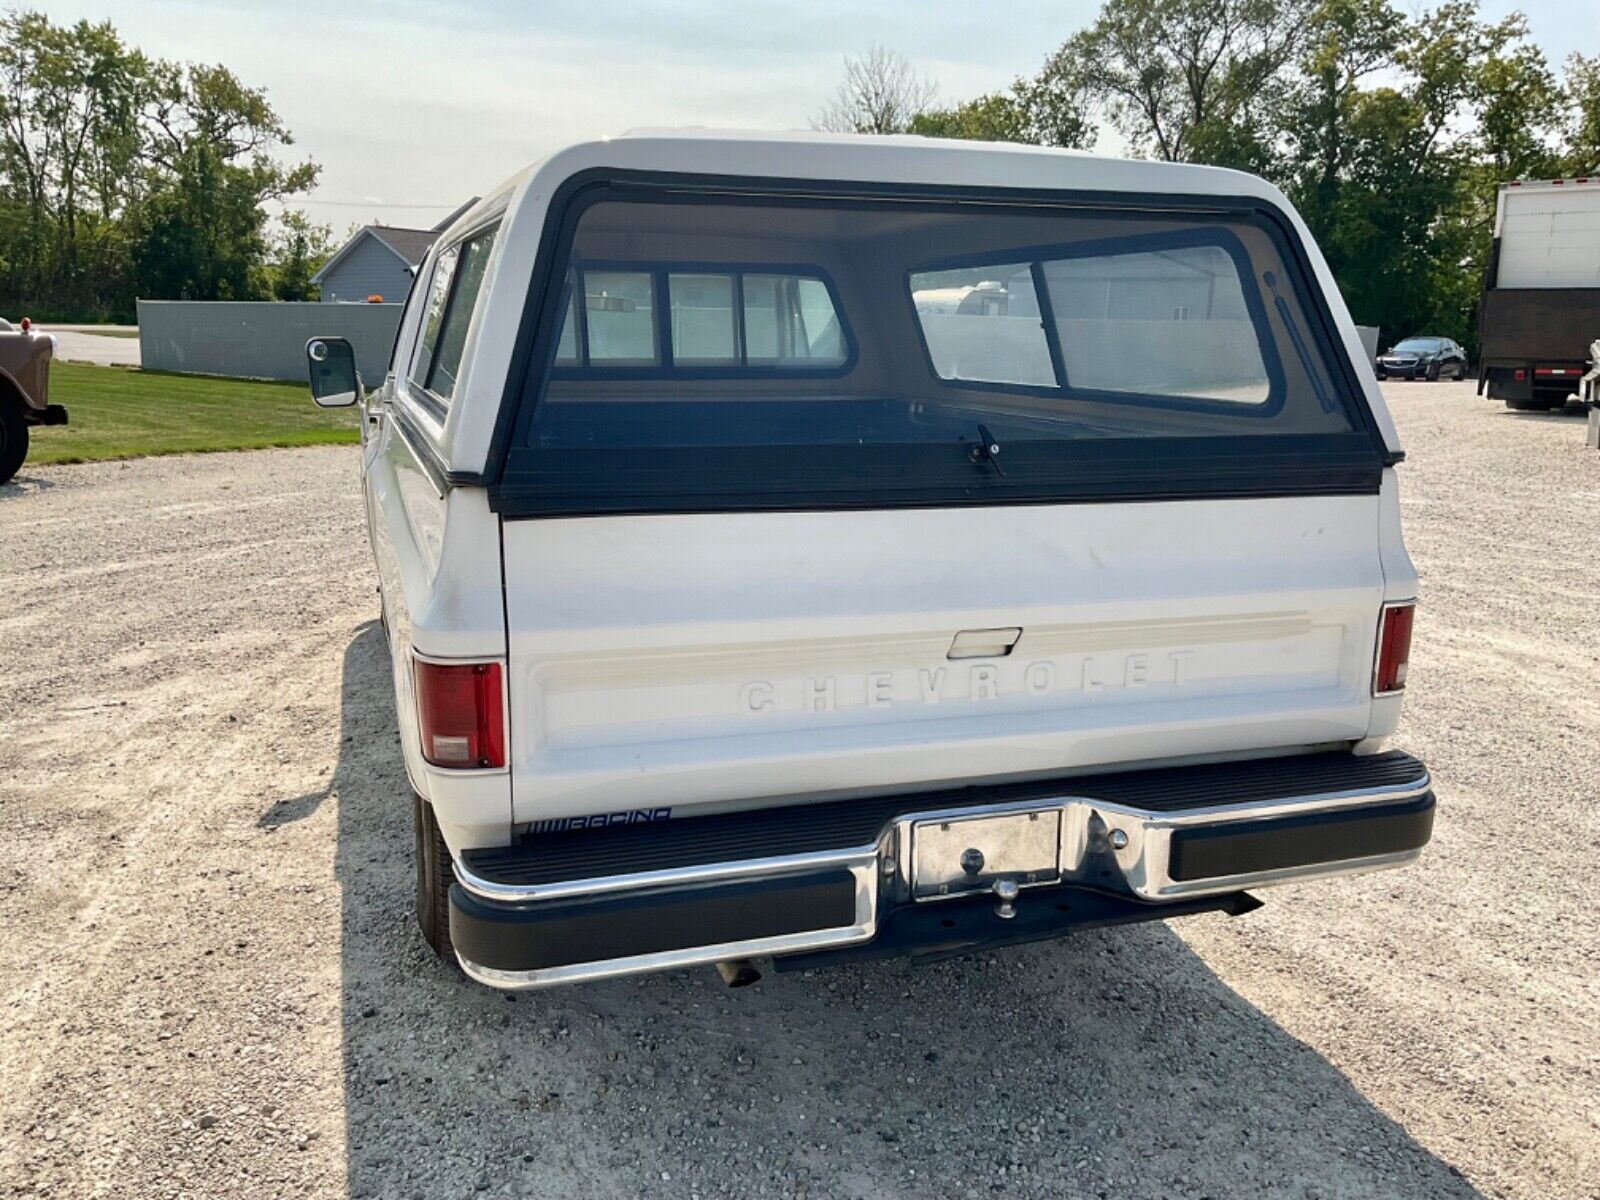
x=731 y=321
x=1161 y=322
x=724 y=352
x=619 y=312
x=982 y=324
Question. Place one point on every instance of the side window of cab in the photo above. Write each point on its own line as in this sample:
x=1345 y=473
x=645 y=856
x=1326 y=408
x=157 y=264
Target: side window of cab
x=453 y=292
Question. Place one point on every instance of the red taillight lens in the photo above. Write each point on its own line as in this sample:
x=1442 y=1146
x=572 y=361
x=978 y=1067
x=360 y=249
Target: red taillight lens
x=460 y=713
x=1394 y=649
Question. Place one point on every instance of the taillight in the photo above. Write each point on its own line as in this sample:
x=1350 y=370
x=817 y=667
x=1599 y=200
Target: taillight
x=460 y=713
x=1394 y=649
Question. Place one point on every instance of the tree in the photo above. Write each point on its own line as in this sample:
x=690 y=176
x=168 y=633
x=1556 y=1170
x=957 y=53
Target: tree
x=68 y=103
x=993 y=118
x=298 y=251
x=881 y=93
x=1389 y=133
x=122 y=175
x=1186 y=80
x=202 y=231
x=1583 y=119
x=1041 y=113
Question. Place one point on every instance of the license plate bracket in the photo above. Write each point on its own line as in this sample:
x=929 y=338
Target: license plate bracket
x=957 y=856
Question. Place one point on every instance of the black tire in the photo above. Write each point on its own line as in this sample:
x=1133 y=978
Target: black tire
x=13 y=438
x=434 y=877
x=1433 y=373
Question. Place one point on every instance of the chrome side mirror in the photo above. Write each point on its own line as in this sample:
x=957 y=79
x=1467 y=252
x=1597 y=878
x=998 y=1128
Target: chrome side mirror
x=334 y=381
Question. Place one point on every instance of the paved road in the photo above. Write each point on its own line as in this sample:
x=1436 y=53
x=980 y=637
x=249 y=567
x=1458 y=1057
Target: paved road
x=75 y=343
x=212 y=985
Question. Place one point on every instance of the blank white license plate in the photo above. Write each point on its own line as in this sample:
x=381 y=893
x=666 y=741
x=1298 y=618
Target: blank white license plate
x=969 y=854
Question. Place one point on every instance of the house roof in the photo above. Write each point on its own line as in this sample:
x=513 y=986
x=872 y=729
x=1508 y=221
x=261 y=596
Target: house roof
x=410 y=246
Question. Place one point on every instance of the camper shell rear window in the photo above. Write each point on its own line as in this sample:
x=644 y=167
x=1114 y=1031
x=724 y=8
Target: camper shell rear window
x=693 y=350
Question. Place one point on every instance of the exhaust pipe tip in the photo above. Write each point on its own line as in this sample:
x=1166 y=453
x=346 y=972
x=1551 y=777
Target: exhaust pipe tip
x=738 y=972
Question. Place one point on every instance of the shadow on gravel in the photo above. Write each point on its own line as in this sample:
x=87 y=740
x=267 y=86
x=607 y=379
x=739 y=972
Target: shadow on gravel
x=1110 y=1064
x=1562 y=416
x=19 y=486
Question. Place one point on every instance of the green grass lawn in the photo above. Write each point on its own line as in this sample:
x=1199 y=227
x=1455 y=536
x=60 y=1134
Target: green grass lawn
x=116 y=412
x=121 y=333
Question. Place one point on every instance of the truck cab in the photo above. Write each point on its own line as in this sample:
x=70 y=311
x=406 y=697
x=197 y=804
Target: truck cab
x=808 y=547
x=25 y=356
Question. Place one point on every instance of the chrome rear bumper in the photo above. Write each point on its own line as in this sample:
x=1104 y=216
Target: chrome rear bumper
x=519 y=933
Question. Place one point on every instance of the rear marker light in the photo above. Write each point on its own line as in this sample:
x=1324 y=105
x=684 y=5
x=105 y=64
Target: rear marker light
x=1394 y=649
x=460 y=714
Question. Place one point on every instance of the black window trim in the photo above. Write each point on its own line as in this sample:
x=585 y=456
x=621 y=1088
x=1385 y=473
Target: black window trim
x=666 y=365
x=1035 y=258
x=421 y=391
x=1349 y=472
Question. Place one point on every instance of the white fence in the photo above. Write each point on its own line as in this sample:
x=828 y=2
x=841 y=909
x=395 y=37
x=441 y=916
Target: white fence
x=260 y=340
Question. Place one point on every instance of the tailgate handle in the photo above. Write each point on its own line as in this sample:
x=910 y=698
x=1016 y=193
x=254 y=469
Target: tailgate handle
x=984 y=643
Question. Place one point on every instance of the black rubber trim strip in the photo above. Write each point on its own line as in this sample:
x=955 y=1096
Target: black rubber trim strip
x=931 y=932
x=560 y=933
x=799 y=828
x=423 y=451
x=1275 y=843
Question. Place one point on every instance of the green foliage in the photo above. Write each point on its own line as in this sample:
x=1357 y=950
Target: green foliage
x=1188 y=80
x=124 y=176
x=1390 y=132
x=993 y=118
x=297 y=253
x=1583 y=125
x=1033 y=111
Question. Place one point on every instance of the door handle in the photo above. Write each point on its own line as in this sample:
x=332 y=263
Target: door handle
x=984 y=643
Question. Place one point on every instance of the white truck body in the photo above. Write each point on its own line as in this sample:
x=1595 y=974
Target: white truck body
x=1540 y=308
x=669 y=655
x=1549 y=234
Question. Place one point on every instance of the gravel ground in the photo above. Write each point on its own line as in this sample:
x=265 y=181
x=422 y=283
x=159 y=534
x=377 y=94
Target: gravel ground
x=212 y=986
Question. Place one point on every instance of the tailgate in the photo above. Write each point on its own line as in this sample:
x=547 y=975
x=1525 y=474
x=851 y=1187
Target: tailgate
x=688 y=661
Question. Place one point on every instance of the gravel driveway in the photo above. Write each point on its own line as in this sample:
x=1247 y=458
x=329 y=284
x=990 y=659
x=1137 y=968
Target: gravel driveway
x=212 y=986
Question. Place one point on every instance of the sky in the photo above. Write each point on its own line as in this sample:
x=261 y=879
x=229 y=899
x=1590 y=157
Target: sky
x=411 y=107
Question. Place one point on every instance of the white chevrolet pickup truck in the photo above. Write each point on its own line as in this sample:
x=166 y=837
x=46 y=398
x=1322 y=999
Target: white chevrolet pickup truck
x=809 y=548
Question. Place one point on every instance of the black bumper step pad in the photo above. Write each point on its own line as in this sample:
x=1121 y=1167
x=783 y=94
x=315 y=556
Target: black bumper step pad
x=803 y=828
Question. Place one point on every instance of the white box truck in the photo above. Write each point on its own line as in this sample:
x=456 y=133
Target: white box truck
x=1541 y=292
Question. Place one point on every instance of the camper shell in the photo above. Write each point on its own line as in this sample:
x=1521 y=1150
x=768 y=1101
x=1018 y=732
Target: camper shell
x=810 y=547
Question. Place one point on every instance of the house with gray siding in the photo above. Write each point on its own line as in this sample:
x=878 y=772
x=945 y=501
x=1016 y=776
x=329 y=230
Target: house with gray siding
x=379 y=260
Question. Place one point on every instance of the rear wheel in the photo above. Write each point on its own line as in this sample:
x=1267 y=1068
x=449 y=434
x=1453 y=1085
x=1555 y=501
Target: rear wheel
x=434 y=877
x=13 y=438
